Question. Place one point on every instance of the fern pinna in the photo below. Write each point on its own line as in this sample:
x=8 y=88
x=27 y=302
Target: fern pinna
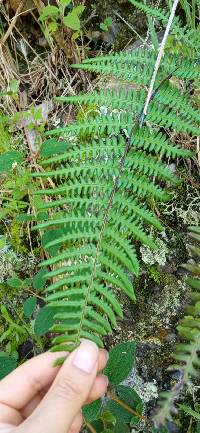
x=98 y=206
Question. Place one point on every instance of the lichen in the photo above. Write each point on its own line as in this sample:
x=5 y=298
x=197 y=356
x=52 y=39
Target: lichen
x=146 y=390
x=158 y=256
x=184 y=206
x=12 y=263
x=168 y=303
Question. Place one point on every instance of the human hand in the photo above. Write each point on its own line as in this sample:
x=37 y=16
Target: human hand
x=40 y=398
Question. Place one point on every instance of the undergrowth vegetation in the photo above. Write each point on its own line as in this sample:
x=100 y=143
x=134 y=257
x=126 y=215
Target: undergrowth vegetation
x=99 y=181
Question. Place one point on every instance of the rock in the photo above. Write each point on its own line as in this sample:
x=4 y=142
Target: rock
x=26 y=350
x=173 y=428
x=109 y=36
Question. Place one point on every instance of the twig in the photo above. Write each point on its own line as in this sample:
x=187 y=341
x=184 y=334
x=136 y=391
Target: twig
x=39 y=5
x=157 y=64
x=125 y=405
x=90 y=427
x=130 y=26
x=12 y=24
x=34 y=294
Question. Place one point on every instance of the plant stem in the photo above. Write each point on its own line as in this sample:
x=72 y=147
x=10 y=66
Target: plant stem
x=12 y=24
x=124 y=405
x=90 y=427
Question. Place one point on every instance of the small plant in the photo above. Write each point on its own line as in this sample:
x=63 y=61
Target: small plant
x=122 y=407
x=12 y=90
x=55 y=17
x=106 y=24
x=18 y=321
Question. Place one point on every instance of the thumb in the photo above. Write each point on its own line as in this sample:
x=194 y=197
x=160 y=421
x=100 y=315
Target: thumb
x=68 y=393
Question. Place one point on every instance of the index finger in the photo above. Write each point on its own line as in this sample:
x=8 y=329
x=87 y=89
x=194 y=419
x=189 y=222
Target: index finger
x=20 y=386
x=23 y=384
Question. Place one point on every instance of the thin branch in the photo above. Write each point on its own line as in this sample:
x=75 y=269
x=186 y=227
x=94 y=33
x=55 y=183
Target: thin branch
x=12 y=24
x=125 y=405
x=159 y=58
x=90 y=427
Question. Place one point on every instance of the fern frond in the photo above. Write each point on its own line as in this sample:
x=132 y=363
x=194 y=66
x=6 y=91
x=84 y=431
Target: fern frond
x=187 y=353
x=153 y=12
x=167 y=118
x=157 y=142
x=137 y=75
x=182 y=33
x=103 y=183
x=170 y=96
x=115 y=99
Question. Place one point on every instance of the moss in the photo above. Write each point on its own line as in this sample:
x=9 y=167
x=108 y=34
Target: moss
x=16 y=238
x=89 y=111
x=7 y=292
x=154 y=274
x=5 y=136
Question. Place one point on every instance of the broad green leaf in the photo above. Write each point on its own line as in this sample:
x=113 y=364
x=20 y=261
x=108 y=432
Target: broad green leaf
x=106 y=24
x=7 y=160
x=91 y=411
x=49 y=12
x=14 y=86
x=98 y=426
x=108 y=417
x=64 y=3
x=2 y=242
x=15 y=283
x=131 y=398
x=5 y=314
x=108 y=21
x=51 y=235
x=27 y=282
x=121 y=362
x=39 y=280
x=78 y=10
x=103 y=27
x=29 y=306
x=75 y=35
x=121 y=428
x=53 y=26
x=7 y=364
x=23 y=217
x=72 y=21
x=44 y=320
x=52 y=147
x=42 y=216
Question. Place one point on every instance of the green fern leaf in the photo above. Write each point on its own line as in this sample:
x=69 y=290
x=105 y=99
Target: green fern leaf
x=101 y=202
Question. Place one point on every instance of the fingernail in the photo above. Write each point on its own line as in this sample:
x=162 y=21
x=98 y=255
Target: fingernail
x=86 y=356
x=107 y=355
x=105 y=378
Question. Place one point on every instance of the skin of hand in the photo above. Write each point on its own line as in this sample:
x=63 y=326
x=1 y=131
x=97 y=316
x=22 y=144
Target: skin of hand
x=38 y=397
